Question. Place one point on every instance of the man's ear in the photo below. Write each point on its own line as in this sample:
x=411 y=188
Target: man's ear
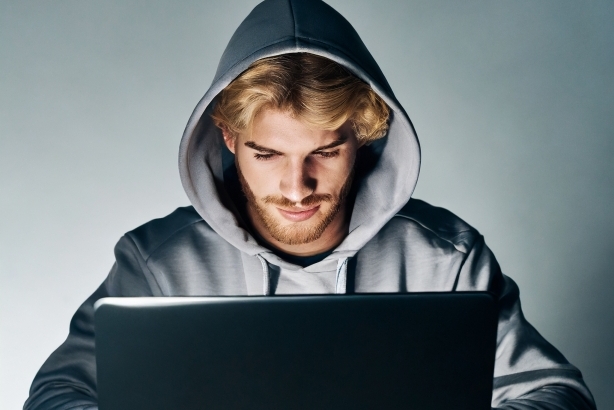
x=229 y=139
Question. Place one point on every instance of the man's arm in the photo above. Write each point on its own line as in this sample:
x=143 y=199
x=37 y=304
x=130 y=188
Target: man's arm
x=529 y=372
x=67 y=380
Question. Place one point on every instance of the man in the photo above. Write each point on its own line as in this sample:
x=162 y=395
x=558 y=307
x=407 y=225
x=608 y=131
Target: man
x=300 y=163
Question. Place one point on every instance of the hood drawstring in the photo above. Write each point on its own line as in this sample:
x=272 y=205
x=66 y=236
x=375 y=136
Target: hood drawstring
x=340 y=282
x=342 y=276
x=266 y=280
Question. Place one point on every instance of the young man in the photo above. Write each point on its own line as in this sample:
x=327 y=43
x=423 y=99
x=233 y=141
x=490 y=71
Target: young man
x=300 y=163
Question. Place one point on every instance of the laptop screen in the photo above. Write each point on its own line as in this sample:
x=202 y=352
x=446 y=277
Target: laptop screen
x=369 y=351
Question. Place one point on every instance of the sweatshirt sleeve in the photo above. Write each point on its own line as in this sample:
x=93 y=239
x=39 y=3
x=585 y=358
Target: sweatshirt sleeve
x=67 y=380
x=530 y=374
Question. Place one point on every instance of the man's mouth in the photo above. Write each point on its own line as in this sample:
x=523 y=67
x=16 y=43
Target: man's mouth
x=300 y=215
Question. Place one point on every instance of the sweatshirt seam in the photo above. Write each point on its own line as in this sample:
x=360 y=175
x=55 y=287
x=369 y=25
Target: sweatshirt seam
x=293 y=22
x=572 y=372
x=129 y=236
x=575 y=372
x=87 y=401
x=438 y=235
x=462 y=265
x=146 y=258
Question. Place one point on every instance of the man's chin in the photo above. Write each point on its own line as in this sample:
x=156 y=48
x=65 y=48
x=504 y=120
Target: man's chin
x=296 y=238
x=295 y=233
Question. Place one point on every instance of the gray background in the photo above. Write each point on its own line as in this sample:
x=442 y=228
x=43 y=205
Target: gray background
x=513 y=103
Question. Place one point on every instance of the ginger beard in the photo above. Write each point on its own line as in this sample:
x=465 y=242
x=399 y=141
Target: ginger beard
x=296 y=233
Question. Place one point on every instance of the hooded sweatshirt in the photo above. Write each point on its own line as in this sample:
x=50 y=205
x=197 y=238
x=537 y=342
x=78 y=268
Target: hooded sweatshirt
x=395 y=244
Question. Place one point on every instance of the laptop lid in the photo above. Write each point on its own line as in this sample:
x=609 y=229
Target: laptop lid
x=366 y=351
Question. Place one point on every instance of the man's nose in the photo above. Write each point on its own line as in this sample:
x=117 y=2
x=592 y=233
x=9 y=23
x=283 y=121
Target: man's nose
x=296 y=183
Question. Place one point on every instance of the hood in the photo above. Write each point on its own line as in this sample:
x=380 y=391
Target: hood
x=289 y=26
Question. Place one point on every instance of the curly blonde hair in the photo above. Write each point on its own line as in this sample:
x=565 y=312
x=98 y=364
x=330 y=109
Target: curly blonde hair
x=314 y=89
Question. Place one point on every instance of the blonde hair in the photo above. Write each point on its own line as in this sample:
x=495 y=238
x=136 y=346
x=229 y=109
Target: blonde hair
x=311 y=88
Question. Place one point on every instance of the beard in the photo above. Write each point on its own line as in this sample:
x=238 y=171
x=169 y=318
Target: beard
x=296 y=233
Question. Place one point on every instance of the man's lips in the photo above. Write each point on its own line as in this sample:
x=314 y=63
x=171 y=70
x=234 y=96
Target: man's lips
x=299 y=216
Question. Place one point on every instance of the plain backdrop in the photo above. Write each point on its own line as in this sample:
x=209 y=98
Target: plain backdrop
x=513 y=102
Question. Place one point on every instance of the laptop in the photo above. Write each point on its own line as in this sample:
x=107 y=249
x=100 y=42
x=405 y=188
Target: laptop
x=365 y=351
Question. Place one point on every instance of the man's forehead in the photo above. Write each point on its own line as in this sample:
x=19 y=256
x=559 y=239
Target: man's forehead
x=280 y=128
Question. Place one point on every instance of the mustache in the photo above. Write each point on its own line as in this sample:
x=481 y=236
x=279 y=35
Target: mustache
x=310 y=200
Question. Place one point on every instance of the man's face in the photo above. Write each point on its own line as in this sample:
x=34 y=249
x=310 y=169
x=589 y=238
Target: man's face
x=296 y=179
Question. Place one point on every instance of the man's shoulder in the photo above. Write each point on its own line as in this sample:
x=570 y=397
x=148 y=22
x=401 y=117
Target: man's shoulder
x=155 y=233
x=438 y=222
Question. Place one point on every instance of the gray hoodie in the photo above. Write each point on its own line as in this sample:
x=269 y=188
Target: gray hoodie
x=395 y=244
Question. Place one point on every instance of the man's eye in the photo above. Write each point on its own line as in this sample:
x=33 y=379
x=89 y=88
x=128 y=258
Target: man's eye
x=327 y=154
x=263 y=157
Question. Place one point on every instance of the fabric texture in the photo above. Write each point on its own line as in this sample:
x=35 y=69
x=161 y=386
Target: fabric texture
x=395 y=244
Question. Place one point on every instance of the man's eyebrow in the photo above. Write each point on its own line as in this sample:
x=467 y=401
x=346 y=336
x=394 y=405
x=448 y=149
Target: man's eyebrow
x=336 y=143
x=260 y=148
x=253 y=145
